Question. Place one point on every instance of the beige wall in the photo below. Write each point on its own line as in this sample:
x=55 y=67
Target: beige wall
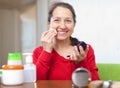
x=28 y=21
x=42 y=24
x=10 y=29
x=9 y=33
x=0 y=41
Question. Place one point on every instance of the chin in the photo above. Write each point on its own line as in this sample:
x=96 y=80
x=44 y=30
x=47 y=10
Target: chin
x=61 y=39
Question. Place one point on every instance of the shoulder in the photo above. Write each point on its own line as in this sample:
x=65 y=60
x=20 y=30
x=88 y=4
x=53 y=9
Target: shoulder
x=90 y=49
x=90 y=46
x=38 y=49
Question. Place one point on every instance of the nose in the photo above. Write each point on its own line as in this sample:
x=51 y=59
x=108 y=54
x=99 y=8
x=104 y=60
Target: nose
x=62 y=25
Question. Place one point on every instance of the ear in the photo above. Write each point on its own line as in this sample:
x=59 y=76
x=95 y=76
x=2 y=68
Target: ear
x=48 y=24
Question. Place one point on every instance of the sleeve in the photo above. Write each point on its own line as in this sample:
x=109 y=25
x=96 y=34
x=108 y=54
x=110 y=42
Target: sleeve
x=42 y=60
x=91 y=64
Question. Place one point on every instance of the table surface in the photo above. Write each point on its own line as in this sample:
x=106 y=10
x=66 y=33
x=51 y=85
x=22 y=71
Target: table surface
x=43 y=84
x=58 y=84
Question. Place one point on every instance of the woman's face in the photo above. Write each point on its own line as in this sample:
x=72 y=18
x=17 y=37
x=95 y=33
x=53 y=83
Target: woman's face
x=62 y=21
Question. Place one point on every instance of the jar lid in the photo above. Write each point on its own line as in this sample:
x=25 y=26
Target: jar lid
x=14 y=56
x=12 y=67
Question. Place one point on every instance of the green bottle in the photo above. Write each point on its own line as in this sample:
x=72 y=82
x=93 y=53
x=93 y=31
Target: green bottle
x=14 y=58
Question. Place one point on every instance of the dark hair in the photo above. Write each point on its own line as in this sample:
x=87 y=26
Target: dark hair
x=74 y=41
x=61 y=4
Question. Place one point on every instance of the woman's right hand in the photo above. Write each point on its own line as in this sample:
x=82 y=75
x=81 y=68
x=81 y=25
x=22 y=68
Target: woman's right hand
x=47 y=39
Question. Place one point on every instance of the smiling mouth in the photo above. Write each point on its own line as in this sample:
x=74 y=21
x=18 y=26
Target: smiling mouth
x=61 y=33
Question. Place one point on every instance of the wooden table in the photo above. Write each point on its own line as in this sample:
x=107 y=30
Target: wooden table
x=43 y=84
x=54 y=84
x=58 y=84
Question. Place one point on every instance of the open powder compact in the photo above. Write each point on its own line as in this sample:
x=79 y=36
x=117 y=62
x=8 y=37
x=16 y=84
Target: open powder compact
x=81 y=78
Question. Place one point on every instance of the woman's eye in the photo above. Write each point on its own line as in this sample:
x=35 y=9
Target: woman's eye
x=68 y=21
x=56 y=20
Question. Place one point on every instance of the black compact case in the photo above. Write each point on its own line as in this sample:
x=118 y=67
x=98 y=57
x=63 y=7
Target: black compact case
x=83 y=44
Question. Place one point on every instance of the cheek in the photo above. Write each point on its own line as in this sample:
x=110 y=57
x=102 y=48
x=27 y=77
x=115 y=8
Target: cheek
x=53 y=25
x=71 y=27
x=71 y=32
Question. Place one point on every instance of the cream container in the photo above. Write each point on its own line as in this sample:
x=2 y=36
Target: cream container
x=12 y=74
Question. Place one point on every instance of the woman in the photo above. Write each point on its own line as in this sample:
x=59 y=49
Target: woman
x=59 y=56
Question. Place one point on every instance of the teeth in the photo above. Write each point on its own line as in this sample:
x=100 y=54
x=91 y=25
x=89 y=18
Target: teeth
x=61 y=32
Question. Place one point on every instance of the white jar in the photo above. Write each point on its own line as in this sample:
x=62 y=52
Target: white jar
x=12 y=74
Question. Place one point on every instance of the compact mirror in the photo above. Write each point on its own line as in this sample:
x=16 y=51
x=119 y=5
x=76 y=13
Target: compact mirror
x=81 y=77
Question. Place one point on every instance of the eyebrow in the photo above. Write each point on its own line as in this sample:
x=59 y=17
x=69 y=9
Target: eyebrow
x=65 y=18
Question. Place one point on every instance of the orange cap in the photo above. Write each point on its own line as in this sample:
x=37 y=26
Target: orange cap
x=12 y=67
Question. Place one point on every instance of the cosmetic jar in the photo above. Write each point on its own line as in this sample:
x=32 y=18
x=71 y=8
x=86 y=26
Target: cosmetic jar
x=12 y=74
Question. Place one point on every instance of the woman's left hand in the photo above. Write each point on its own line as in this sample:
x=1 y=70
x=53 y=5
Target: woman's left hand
x=79 y=56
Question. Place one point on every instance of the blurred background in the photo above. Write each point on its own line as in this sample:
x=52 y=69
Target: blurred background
x=23 y=21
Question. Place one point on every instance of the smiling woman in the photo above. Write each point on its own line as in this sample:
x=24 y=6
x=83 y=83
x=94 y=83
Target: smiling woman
x=51 y=57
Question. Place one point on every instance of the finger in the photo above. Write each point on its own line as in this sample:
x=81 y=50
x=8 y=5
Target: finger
x=43 y=35
x=52 y=32
x=82 y=51
x=76 y=50
x=74 y=56
x=48 y=36
x=78 y=55
x=87 y=49
x=53 y=29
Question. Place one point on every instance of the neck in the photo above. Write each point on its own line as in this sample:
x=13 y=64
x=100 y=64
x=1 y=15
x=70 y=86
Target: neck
x=64 y=48
x=63 y=43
